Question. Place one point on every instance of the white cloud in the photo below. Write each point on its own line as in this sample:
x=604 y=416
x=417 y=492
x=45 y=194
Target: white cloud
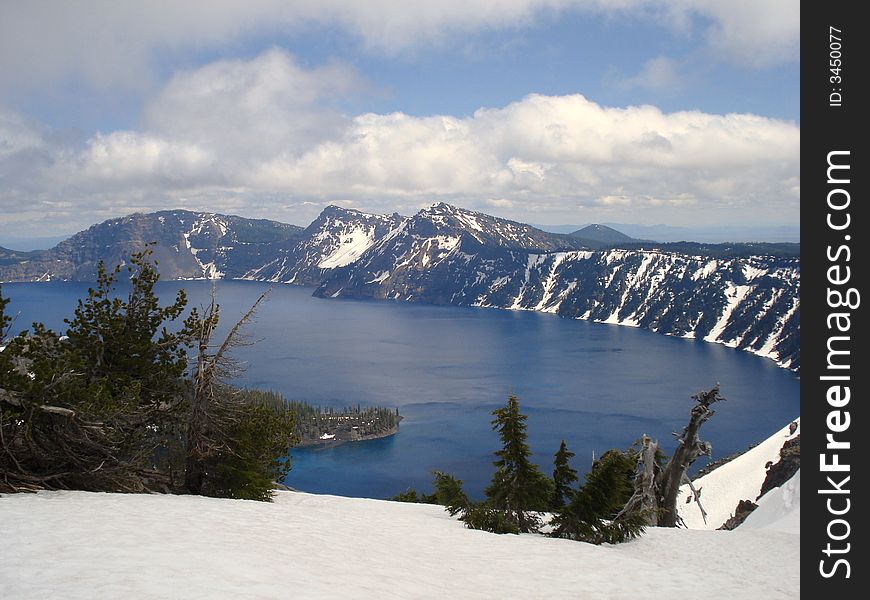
x=253 y=137
x=109 y=44
x=660 y=75
x=759 y=34
x=265 y=106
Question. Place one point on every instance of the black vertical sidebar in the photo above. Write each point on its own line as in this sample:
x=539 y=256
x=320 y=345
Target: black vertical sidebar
x=834 y=236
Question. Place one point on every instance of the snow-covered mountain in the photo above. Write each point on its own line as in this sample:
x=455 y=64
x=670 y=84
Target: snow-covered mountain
x=746 y=297
x=445 y=255
x=338 y=237
x=187 y=245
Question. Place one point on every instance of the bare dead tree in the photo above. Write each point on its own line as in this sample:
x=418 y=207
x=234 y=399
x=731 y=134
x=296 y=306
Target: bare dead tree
x=656 y=489
x=212 y=410
x=645 y=499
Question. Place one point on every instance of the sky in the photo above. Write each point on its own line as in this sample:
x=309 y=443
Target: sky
x=678 y=112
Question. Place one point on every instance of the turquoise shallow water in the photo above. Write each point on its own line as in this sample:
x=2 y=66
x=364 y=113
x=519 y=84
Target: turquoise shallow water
x=446 y=368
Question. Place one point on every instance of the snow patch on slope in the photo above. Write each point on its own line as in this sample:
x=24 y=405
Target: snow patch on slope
x=351 y=246
x=734 y=295
x=779 y=509
x=739 y=479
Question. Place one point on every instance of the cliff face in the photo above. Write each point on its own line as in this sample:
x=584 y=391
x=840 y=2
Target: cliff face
x=751 y=303
x=747 y=297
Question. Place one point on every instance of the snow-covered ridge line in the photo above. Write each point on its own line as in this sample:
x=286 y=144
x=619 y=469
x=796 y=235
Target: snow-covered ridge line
x=447 y=255
x=633 y=282
x=752 y=304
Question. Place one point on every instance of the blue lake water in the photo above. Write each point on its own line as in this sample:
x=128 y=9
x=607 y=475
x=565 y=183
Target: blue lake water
x=446 y=368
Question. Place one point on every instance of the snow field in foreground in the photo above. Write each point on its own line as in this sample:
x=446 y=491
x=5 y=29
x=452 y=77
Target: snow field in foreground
x=86 y=545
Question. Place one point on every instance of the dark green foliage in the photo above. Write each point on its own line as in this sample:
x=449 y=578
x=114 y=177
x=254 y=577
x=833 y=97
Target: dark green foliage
x=518 y=486
x=448 y=493
x=351 y=423
x=6 y=365
x=109 y=407
x=475 y=515
x=122 y=348
x=591 y=513
x=411 y=496
x=93 y=410
x=5 y=320
x=255 y=456
x=563 y=476
x=486 y=518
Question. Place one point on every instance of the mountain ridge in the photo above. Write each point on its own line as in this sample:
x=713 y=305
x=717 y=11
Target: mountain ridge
x=745 y=296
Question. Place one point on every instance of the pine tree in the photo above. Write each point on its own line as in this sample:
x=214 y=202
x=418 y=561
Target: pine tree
x=563 y=476
x=6 y=320
x=123 y=348
x=449 y=493
x=111 y=406
x=95 y=409
x=518 y=486
x=255 y=448
x=593 y=513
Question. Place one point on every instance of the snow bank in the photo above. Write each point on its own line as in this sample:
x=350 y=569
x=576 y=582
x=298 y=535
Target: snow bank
x=779 y=509
x=85 y=545
x=739 y=479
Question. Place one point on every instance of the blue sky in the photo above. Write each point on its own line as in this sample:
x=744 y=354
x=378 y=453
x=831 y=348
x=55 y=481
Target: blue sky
x=549 y=111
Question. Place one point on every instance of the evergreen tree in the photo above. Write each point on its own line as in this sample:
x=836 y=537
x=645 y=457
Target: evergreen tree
x=518 y=486
x=237 y=442
x=123 y=348
x=256 y=448
x=92 y=410
x=449 y=493
x=475 y=515
x=563 y=476
x=593 y=513
x=110 y=406
x=5 y=320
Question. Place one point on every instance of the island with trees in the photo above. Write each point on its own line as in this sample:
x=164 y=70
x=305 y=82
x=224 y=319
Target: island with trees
x=329 y=426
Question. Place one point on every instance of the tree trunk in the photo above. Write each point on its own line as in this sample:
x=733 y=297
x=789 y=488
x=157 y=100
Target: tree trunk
x=689 y=448
x=205 y=411
x=656 y=490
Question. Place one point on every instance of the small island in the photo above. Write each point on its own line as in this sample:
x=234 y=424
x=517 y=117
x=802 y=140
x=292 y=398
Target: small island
x=318 y=426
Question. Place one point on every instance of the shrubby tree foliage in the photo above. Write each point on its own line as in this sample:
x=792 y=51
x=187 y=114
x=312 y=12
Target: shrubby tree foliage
x=563 y=476
x=518 y=486
x=624 y=492
x=519 y=491
x=256 y=446
x=109 y=405
x=592 y=513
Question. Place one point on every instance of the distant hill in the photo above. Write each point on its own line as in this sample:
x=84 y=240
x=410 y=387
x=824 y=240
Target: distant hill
x=710 y=234
x=706 y=234
x=8 y=240
x=723 y=250
x=602 y=234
